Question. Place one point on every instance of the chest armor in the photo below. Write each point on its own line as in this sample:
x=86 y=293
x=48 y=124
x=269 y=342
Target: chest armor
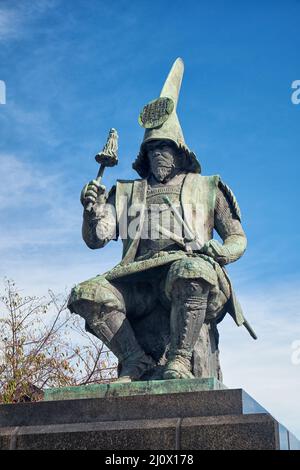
x=197 y=198
x=159 y=219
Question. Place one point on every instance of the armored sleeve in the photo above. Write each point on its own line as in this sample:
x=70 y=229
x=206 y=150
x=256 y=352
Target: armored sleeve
x=227 y=222
x=99 y=225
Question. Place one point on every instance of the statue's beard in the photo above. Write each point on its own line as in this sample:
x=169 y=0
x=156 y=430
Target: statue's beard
x=163 y=173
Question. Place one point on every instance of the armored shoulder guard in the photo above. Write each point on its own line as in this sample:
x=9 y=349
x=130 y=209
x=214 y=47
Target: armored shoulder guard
x=231 y=199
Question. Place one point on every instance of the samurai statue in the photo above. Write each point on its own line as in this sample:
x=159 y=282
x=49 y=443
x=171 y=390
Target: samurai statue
x=159 y=308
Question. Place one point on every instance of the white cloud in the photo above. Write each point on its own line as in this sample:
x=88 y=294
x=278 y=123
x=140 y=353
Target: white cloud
x=58 y=272
x=25 y=122
x=264 y=368
x=24 y=185
x=35 y=206
x=10 y=23
x=21 y=183
x=40 y=236
x=15 y=16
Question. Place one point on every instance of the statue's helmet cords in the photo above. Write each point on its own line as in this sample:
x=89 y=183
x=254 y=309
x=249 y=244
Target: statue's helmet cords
x=160 y=120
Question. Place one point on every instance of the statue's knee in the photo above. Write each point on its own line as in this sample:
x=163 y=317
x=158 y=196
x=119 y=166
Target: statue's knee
x=87 y=309
x=190 y=276
x=95 y=297
x=183 y=288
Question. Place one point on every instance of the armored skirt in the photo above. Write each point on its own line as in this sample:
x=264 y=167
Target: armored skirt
x=137 y=288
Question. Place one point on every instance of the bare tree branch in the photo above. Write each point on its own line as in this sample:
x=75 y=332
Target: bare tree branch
x=42 y=345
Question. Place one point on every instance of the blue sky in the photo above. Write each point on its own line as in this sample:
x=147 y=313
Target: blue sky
x=73 y=69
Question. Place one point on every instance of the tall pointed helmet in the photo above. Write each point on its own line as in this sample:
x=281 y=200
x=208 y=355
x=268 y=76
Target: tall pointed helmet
x=160 y=120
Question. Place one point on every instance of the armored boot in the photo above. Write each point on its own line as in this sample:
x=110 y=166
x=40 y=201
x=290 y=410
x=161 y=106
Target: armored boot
x=114 y=329
x=187 y=317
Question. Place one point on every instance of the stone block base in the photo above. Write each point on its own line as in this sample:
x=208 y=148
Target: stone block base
x=139 y=416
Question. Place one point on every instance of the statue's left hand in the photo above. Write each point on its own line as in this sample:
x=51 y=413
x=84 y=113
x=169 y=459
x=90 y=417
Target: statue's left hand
x=215 y=250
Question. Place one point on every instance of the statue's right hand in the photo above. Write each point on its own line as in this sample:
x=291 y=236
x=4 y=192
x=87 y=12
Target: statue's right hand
x=91 y=192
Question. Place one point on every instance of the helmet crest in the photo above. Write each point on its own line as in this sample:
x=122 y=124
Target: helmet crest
x=160 y=120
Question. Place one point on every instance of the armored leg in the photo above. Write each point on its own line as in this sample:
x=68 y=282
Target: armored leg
x=189 y=285
x=189 y=304
x=105 y=317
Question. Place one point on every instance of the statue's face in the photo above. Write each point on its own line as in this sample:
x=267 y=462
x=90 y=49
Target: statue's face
x=163 y=159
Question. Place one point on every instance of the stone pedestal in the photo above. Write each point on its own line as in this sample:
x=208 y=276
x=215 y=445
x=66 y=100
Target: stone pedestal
x=159 y=415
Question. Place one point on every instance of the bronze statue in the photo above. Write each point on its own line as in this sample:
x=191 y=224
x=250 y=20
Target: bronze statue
x=158 y=309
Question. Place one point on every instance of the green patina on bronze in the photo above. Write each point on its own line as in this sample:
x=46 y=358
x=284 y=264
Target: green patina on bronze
x=151 y=387
x=155 y=113
x=158 y=310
